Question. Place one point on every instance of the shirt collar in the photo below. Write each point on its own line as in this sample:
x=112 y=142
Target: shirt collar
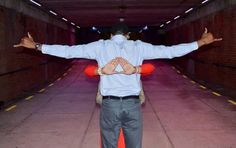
x=118 y=38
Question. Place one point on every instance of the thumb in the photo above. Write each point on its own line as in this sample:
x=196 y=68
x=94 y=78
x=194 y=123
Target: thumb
x=114 y=72
x=29 y=35
x=205 y=30
x=121 y=72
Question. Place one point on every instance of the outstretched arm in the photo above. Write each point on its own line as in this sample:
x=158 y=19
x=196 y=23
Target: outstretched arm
x=88 y=51
x=149 y=51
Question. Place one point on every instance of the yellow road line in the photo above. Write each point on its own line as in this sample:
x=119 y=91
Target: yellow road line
x=217 y=94
x=193 y=82
x=173 y=67
x=42 y=90
x=232 y=102
x=64 y=74
x=178 y=71
x=185 y=76
x=70 y=69
x=50 y=84
x=203 y=87
x=58 y=79
x=10 y=108
x=28 y=98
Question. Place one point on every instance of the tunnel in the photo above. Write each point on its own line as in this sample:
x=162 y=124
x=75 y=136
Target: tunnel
x=49 y=101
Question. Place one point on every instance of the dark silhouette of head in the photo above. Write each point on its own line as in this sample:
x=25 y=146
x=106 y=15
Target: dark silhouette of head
x=119 y=28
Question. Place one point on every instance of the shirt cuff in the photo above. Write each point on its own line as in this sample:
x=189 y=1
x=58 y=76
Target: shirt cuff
x=44 y=48
x=195 y=45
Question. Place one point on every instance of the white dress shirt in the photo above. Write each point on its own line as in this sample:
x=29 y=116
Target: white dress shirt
x=103 y=51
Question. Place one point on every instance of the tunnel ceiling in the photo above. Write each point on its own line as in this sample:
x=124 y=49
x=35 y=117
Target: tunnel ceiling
x=87 y=13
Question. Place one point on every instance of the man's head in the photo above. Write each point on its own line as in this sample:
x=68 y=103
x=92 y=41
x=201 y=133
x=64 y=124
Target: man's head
x=119 y=28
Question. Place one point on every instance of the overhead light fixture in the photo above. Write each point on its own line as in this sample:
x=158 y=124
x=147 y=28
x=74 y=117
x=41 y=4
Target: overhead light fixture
x=36 y=3
x=94 y=28
x=78 y=27
x=145 y=28
x=121 y=19
x=64 y=19
x=176 y=17
x=72 y=23
x=99 y=32
x=187 y=11
x=168 y=22
x=204 y=1
x=54 y=13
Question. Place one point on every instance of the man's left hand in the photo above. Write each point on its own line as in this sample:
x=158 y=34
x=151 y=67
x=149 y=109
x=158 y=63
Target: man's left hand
x=207 y=38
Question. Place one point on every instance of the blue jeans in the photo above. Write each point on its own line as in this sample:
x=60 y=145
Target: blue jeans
x=125 y=114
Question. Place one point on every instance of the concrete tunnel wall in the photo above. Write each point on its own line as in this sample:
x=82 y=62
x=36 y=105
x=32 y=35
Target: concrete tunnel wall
x=214 y=65
x=23 y=71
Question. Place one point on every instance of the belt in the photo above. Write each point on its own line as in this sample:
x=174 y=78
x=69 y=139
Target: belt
x=120 y=98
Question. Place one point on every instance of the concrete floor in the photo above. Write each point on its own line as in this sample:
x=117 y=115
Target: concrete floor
x=177 y=114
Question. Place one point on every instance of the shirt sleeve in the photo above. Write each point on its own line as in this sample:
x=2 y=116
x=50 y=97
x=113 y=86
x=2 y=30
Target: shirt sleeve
x=88 y=51
x=149 y=51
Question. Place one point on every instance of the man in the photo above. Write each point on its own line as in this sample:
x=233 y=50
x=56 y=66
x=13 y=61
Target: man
x=145 y=69
x=119 y=81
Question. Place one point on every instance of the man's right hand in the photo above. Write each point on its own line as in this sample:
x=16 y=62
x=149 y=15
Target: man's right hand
x=27 y=42
x=207 y=38
x=110 y=67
